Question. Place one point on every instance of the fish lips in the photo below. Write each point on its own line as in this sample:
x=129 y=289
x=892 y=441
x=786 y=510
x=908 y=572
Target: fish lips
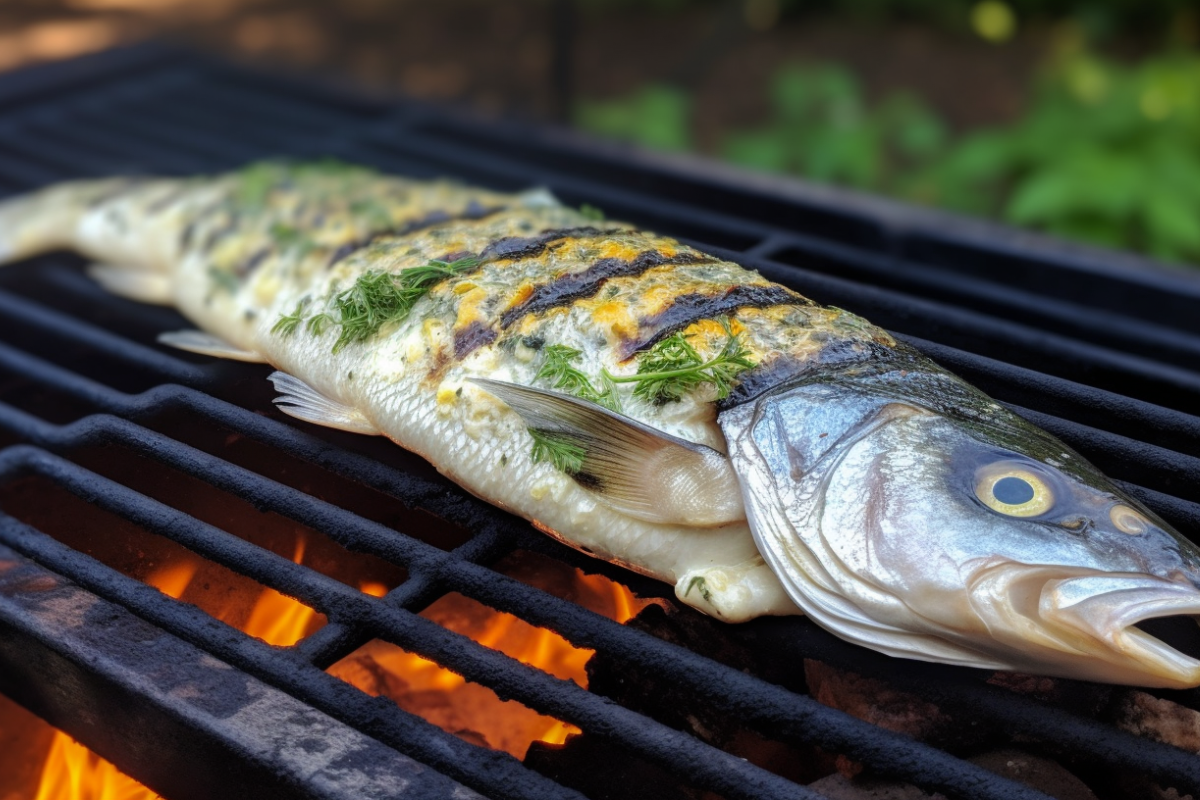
x=1081 y=623
x=1109 y=607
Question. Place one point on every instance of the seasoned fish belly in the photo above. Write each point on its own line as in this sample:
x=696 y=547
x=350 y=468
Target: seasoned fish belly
x=652 y=405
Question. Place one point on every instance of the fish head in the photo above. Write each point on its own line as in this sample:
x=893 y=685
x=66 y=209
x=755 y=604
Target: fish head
x=918 y=517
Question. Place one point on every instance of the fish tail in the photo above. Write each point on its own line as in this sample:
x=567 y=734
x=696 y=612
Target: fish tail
x=48 y=219
x=120 y=222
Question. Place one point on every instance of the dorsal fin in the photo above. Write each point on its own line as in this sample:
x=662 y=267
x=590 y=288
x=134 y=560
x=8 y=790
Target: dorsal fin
x=636 y=469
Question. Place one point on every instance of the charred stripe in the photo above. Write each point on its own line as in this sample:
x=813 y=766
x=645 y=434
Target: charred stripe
x=574 y=286
x=230 y=227
x=473 y=211
x=690 y=308
x=168 y=199
x=189 y=230
x=516 y=247
x=471 y=338
x=248 y=266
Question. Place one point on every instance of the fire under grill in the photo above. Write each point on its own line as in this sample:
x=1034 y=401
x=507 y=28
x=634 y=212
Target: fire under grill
x=106 y=433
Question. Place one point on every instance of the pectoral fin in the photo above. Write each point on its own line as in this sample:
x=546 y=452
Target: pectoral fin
x=299 y=400
x=640 y=471
x=206 y=344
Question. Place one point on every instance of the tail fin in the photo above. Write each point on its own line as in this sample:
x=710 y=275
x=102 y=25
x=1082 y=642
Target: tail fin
x=50 y=219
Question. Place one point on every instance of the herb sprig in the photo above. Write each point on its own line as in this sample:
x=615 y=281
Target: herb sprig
x=558 y=369
x=565 y=455
x=376 y=299
x=672 y=368
x=287 y=323
x=665 y=373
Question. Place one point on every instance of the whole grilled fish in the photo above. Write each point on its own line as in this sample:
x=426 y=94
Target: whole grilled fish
x=652 y=405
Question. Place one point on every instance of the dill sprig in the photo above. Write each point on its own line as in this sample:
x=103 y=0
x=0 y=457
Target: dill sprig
x=562 y=374
x=565 y=455
x=289 y=238
x=670 y=369
x=224 y=279
x=379 y=298
x=589 y=211
x=287 y=323
x=673 y=367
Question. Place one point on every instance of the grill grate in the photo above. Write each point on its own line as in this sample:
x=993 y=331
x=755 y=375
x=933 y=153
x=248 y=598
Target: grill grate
x=1102 y=355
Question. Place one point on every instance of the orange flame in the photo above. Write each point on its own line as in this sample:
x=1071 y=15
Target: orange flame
x=72 y=772
x=471 y=711
x=474 y=712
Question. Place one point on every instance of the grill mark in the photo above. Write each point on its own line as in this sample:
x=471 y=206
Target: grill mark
x=168 y=199
x=473 y=211
x=189 y=231
x=569 y=288
x=517 y=247
x=124 y=187
x=220 y=233
x=247 y=266
x=690 y=308
x=469 y=339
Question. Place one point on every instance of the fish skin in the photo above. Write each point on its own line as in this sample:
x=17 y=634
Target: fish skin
x=245 y=250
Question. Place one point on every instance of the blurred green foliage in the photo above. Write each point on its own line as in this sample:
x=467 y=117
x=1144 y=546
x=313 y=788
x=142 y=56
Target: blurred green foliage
x=1105 y=153
x=1100 y=20
x=656 y=116
x=823 y=128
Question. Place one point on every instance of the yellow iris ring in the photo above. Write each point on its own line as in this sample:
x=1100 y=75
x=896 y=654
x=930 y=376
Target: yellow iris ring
x=1128 y=520
x=985 y=485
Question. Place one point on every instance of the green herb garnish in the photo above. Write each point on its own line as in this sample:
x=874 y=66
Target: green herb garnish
x=558 y=369
x=288 y=323
x=224 y=280
x=379 y=298
x=289 y=238
x=589 y=211
x=703 y=584
x=255 y=183
x=376 y=214
x=672 y=368
x=565 y=455
x=665 y=374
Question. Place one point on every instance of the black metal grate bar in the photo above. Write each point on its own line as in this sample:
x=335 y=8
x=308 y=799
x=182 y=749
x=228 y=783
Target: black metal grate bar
x=193 y=116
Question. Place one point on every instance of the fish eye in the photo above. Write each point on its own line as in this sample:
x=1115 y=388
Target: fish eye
x=1128 y=520
x=1013 y=490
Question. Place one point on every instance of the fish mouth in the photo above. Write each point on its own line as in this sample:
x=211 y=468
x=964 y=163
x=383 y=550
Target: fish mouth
x=1108 y=609
x=1084 y=623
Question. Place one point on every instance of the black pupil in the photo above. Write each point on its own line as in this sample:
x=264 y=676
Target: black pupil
x=1013 y=491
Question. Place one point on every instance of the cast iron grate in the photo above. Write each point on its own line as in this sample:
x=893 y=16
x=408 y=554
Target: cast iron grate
x=1098 y=355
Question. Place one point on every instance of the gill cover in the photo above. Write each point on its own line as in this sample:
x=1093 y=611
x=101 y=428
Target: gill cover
x=786 y=449
x=907 y=512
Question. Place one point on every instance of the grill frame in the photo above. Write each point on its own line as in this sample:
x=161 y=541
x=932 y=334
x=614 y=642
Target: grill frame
x=65 y=120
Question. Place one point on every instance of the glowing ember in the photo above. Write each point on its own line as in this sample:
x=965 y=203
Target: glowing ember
x=473 y=712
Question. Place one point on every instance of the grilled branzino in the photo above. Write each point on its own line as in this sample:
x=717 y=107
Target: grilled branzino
x=652 y=405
